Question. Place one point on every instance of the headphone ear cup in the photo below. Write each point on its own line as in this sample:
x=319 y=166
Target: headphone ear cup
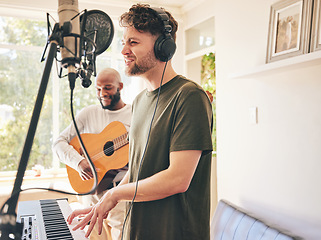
x=164 y=47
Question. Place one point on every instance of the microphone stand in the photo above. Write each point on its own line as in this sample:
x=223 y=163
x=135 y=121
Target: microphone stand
x=8 y=223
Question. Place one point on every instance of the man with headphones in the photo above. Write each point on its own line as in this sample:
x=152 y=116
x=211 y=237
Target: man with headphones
x=167 y=186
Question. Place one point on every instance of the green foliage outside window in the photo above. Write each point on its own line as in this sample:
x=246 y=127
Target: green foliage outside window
x=208 y=82
x=20 y=76
x=23 y=32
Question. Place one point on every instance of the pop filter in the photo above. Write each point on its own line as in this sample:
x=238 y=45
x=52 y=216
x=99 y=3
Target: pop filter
x=99 y=28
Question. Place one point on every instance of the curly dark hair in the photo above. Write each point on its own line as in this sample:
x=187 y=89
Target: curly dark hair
x=144 y=19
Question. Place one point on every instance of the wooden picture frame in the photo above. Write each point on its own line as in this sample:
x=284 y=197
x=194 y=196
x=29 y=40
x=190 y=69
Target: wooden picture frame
x=289 y=29
x=316 y=27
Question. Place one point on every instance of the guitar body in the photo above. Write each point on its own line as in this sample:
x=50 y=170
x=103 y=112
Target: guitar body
x=108 y=150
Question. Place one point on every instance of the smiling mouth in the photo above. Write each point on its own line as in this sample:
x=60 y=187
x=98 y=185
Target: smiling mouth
x=128 y=61
x=104 y=99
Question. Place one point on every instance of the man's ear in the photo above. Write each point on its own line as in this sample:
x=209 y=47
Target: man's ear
x=121 y=85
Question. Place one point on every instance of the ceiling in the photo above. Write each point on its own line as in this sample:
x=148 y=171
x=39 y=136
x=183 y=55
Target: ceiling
x=36 y=9
x=181 y=5
x=178 y=6
x=168 y=3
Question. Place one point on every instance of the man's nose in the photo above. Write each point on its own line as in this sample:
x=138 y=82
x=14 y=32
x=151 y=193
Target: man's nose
x=103 y=93
x=125 y=50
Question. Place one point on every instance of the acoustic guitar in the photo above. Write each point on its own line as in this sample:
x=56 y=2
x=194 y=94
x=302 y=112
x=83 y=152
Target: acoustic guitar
x=108 y=150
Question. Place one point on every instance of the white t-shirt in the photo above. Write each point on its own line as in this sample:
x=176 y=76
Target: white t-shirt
x=91 y=119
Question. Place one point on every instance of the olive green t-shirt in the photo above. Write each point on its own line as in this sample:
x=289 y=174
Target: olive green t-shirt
x=183 y=121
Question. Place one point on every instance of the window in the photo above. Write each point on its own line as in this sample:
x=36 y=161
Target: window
x=20 y=71
x=22 y=43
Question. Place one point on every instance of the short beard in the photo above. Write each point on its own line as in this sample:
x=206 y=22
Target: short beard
x=114 y=100
x=147 y=63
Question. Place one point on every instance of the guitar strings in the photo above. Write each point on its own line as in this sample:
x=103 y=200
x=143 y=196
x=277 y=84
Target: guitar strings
x=111 y=148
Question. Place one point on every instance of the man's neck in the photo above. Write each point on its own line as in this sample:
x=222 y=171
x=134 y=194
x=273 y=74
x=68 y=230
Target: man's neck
x=119 y=105
x=153 y=78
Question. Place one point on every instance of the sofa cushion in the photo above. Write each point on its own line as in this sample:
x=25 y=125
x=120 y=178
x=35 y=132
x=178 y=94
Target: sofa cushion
x=230 y=222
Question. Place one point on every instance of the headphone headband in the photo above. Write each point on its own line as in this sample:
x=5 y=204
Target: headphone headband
x=165 y=46
x=162 y=16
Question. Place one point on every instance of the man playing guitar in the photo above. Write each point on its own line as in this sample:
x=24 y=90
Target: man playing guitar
x=93 y=120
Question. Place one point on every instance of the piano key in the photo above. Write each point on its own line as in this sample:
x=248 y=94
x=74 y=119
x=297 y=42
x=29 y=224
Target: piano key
x=46 y=219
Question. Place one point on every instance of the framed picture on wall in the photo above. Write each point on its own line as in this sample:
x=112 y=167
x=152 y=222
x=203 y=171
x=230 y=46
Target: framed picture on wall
x=316 y=27
x=289 y=29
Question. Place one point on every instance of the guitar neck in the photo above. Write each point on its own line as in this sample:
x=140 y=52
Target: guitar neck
x=120 y=141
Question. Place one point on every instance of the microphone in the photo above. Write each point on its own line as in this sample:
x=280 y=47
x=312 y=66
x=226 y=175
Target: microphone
x=87 y=72
x=70 y=48
x=81 y=37
x=97 y=31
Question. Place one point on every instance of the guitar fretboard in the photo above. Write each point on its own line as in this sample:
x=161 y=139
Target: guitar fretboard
x=120 y=141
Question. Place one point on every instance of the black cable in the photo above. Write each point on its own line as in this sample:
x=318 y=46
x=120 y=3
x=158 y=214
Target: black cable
x=72 y=84
x=141 y=160
x=38 y=188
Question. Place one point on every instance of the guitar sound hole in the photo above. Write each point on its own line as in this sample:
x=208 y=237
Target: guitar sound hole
x=109 y=148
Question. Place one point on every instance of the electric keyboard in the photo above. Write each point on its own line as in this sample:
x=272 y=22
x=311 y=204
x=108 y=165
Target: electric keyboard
x=46 y=220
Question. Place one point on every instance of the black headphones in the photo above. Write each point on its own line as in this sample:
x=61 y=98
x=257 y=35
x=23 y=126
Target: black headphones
x=165 y=45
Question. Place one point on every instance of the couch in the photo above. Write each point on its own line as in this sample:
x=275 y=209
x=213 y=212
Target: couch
x=233 y=223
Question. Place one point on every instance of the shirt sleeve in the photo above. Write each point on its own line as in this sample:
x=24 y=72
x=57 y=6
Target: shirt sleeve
x=192 y=129
x=65 y=152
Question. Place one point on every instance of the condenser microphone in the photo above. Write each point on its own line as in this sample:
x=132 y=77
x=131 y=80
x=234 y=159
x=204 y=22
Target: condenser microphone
x=70 y=47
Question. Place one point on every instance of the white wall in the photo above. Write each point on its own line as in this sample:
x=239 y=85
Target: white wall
x=273 y=167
